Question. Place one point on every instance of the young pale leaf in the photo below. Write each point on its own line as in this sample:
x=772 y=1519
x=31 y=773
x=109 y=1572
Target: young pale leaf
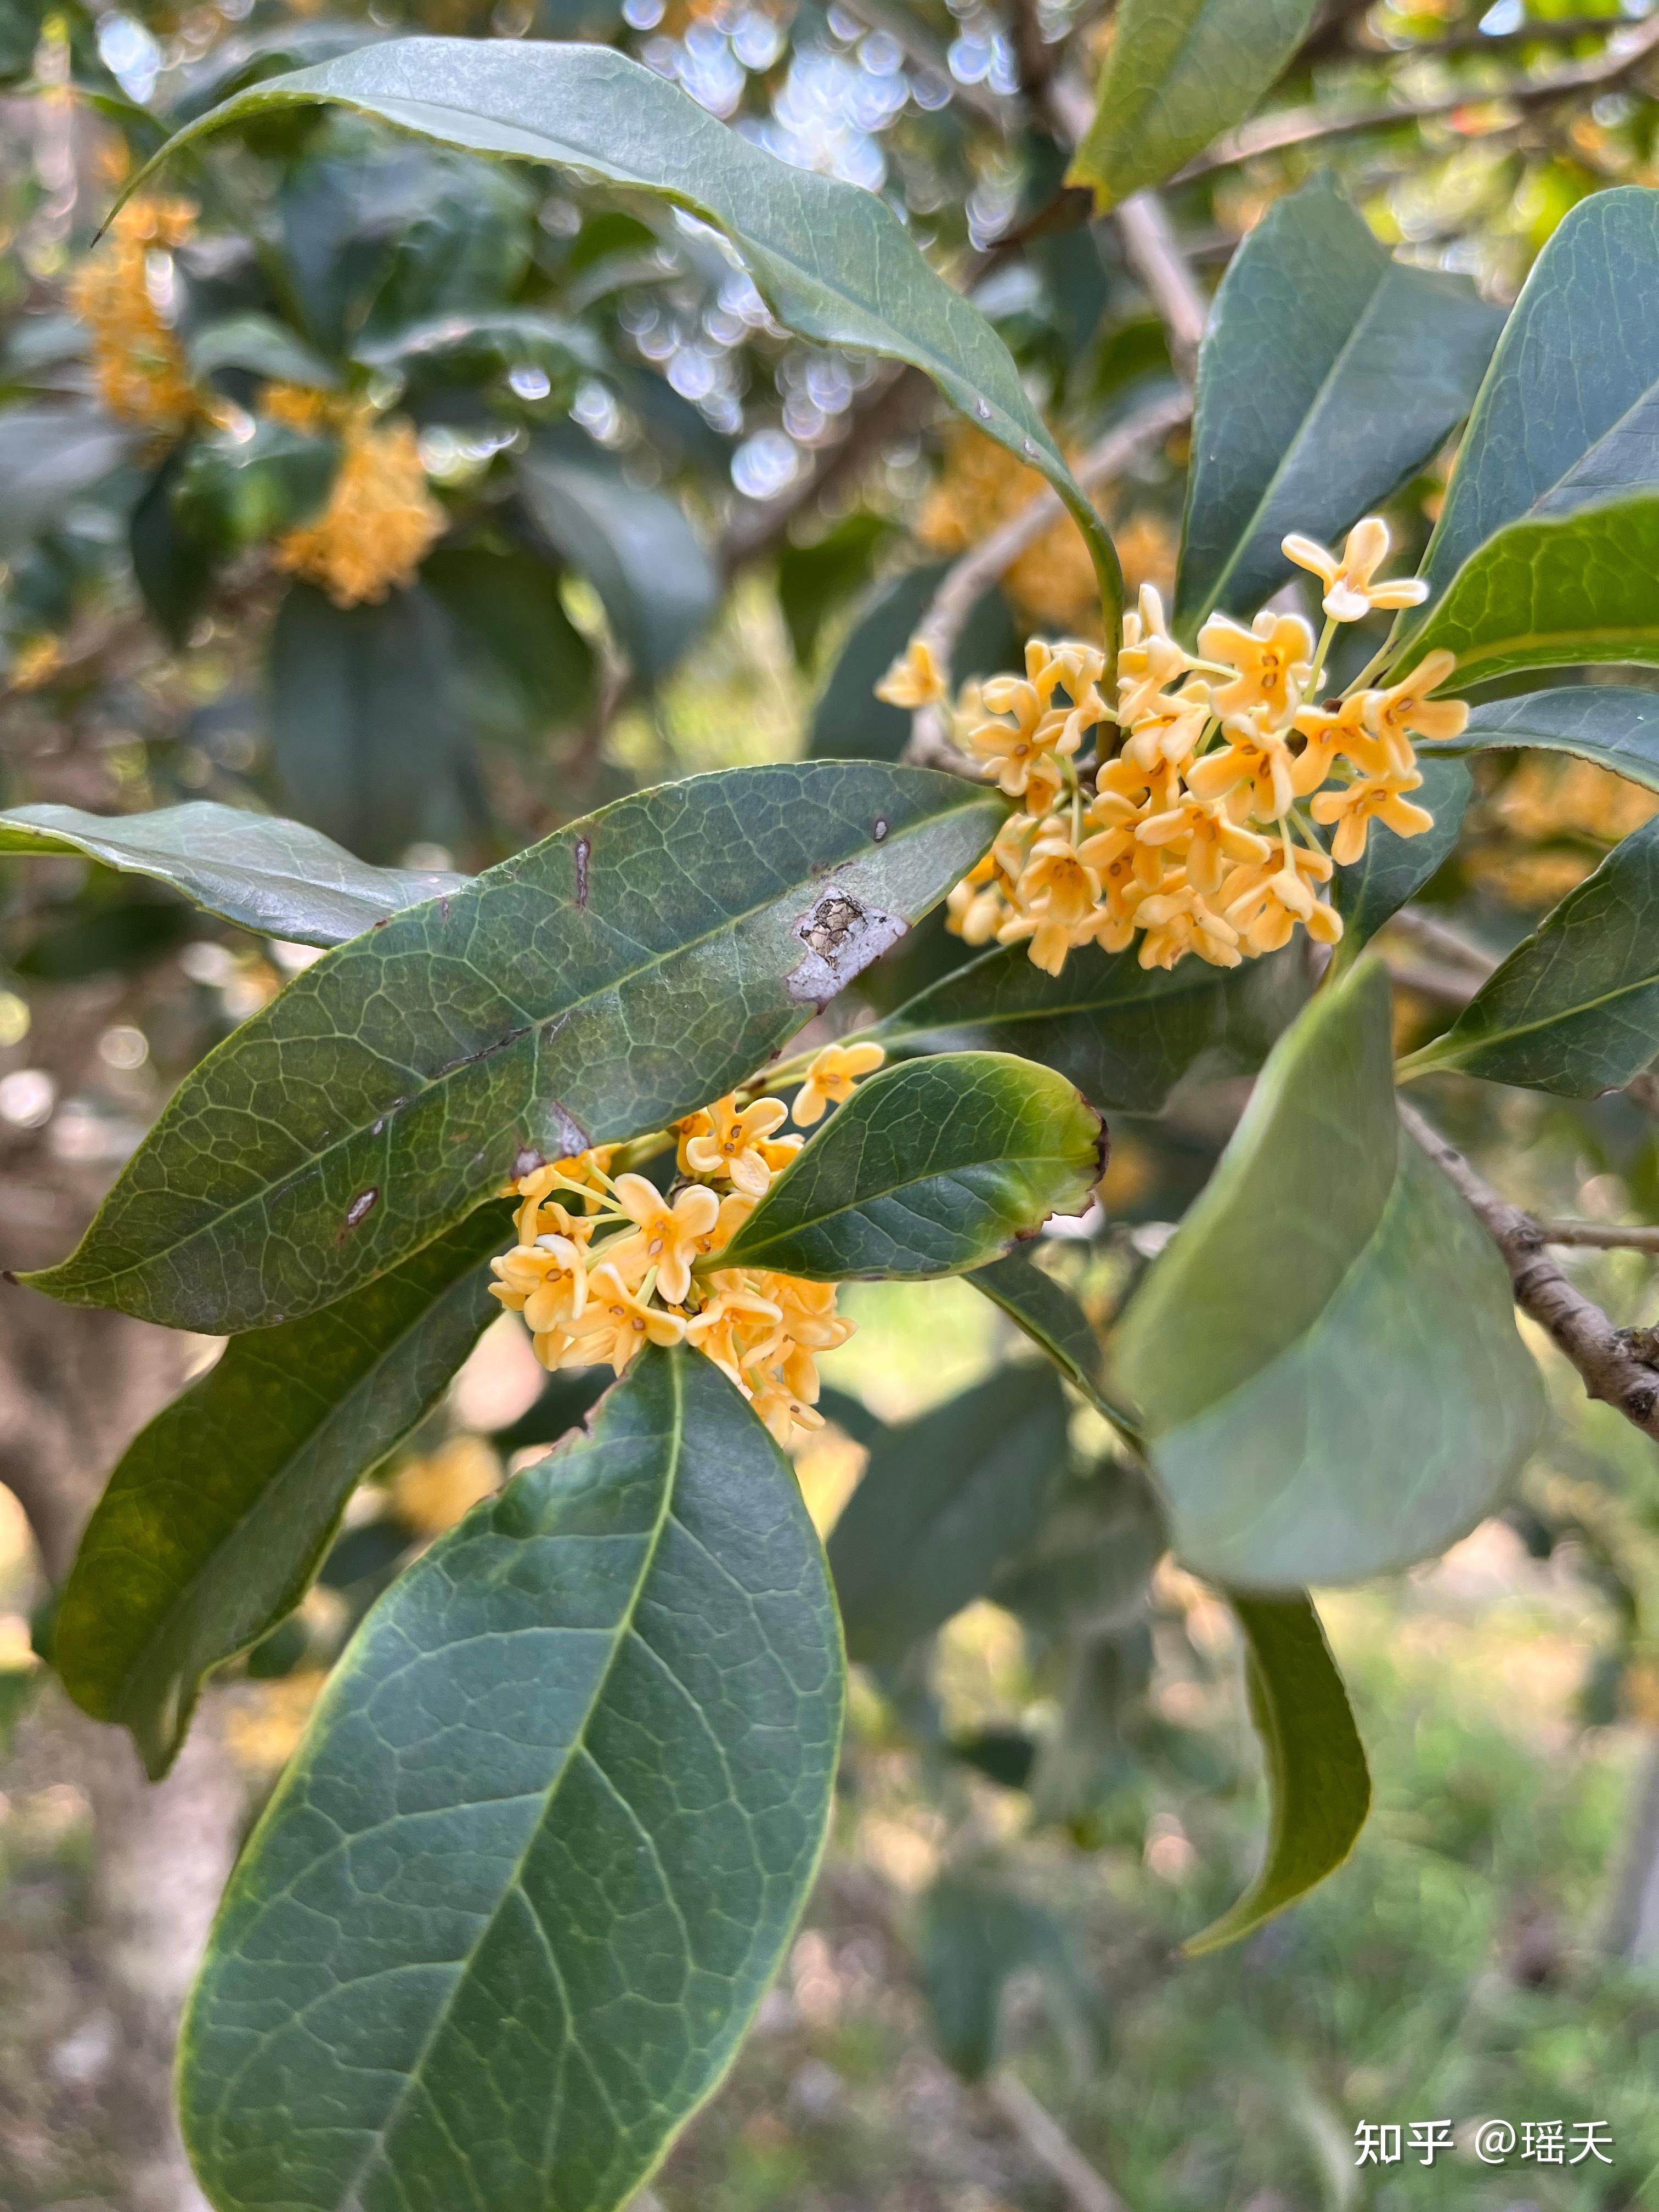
x=930 y=1168
x=834 y=263
x=551 y=1828
x=635 y=964
x=1054 y=1319
x=261 y=872
x=1611 y=724
x=1326 y=1353
x=1571 y=384
x=1553 y=589
x=1178 y=73
x=1575 y=1008
x=1319 y=1786
x=943 y=1501
x=1124 y=1034
x=1328 y=373
x=221 y=1512
x=1394 y=869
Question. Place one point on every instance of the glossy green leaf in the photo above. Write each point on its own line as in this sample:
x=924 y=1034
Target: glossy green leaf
x=930 y=1168
x=1575 y=1008
x=1328 y=373
x=1393 y=869
x=1613 y=724
x=634 y=546
x=849 y=722
x=260 y=346
x=233 y=491
x=1319 y=1786
x=221 y=1512
x=1054 y=1319
x=1326 y=1354
x=1551 y=590
x=1576 y=374
x=581 y=992
x=834 y=263
x=943 y=1501
x=1178 y=73
x=1124 y=1034
x=256 y=870
x=50 y=457
x=550 y=1830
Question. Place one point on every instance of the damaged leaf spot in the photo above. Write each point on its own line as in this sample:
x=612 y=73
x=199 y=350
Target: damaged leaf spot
x=361 y=1206
x=583 y=848
x=842 y=938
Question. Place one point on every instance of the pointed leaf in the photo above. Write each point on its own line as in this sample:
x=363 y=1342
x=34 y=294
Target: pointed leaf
x=834 y=262
x=550 y=1830
x=1329 y=372
x=261 y=872
x=1326 y=1353
x=1394 y=869
x=1575 y=1008
x=631 y=967
x=977 y=1934
x=1177 y=73
x=1124 y=1034
x=1613 y=724
x=221 y=1512
x=1319 y=1786
x=943 y=1502
x=930 y=1168
x=1054 y=1319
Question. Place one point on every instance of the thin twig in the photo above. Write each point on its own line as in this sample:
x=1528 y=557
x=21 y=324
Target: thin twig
x=1303 y=126
x=1449 y=987
x=1440 y=938
x=1600 y=1235
x=966 y=582
x=1150 y=243
x=1042 y=2134
x=1605 y=1358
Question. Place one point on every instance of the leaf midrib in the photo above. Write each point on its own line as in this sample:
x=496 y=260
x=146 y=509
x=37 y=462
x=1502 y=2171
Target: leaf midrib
x=743 y=1255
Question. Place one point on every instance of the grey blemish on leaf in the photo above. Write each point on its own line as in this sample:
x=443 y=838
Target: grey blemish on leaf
x=525 y=1161
x=880 y=830
x=842 y=938
x=361 y=1206
x=563 y=1131
x=584 y=848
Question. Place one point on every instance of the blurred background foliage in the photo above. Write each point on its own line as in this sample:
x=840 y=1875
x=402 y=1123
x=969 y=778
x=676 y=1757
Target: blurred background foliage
x=435 y=503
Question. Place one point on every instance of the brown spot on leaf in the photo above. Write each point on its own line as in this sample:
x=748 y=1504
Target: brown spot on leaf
x=361 y=1206
x=842 y=936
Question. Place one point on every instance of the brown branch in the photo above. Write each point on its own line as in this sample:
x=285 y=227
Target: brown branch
x=1600 y=1235
x=1305 y=127
x=1606 y=1358
x=1156 y=256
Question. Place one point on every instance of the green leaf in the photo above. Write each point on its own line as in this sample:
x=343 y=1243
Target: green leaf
x=976 y=1934
x=849 y=722
x=943 y=1501
x=468 y=348
x=1326 y=1353
x=1392 y=869
x=582 y=992
x=1329 y=372
x=834 y=262
x=221 y=1512
x=548 y=1834
x=1087 y=1567
x=635 y=548
x=263 y=873
x=930 y=1168
x=1557 y=589
x=1575 y=1008
x=1319 y=1786
x=1177 y=73
x=814 y=581
x=170 y=565
x=260 y=346
x=232 y=492
x=50 y=457
x=1054 y=1319
x=522 y=667
x=1613 y=724
x=1571 y=385
x=1124 y=1034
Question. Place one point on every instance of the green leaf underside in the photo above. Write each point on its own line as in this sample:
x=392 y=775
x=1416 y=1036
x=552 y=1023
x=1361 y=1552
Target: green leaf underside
x=261 y=872
x=1124 y=1034
x=1613 y=724
x=943 y=1502
x=1563 y=410
x=1328 y=373
x=1178 y=73
x=930 y=1168
x=1326 y=1353
x=1394 y=869
x=518 y=1895
x=1318 y=1783
x=583 y=992
x=834 y=262
x=1575 y=1008
x=1556 y=589
x=221 y=1512
x=1054 y=1321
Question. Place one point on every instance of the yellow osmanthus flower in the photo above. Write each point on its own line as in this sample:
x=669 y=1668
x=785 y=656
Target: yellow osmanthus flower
x=36 y=661
x=830 y=1079
x=381 y=520
x=143 y=374
x=915 y=678
x=729 y=1141
x=1195 y=828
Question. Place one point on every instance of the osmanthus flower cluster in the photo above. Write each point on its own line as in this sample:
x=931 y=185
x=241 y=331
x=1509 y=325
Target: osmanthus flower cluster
x=1195 y=827
x=119 y=292
x=604 y=1262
